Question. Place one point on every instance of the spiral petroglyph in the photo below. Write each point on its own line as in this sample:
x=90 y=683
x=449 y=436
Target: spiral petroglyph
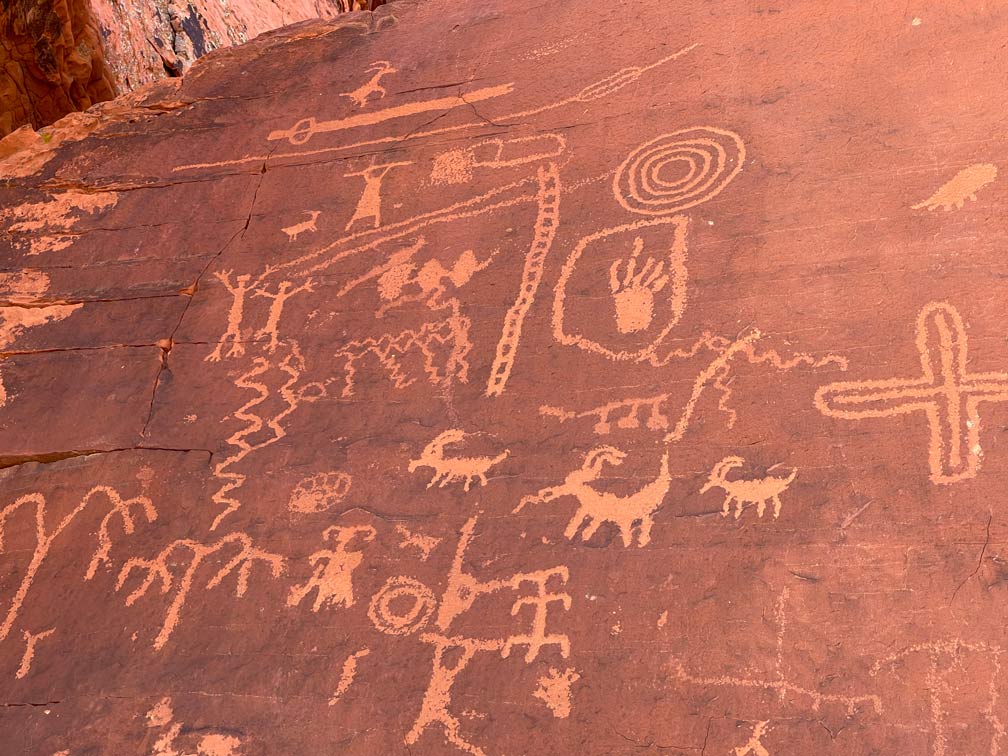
x=678 y=170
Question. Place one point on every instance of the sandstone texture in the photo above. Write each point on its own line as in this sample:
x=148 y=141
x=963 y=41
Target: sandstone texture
x=62 y=56
x=51 y=62
x=439 y=380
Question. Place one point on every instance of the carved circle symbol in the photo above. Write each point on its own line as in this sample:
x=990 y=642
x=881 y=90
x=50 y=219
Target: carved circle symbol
x=402 y=606
x=678 y=170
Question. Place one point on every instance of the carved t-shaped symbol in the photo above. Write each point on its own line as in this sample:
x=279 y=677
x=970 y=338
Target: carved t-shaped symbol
x=946 y=392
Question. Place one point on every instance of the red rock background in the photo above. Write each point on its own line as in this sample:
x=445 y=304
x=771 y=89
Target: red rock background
x=62 y=56
x=252 y=322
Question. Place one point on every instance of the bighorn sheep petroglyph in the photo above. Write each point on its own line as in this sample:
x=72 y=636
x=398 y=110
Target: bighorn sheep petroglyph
x=744 y=491
x=628 y=513
x=451 y=469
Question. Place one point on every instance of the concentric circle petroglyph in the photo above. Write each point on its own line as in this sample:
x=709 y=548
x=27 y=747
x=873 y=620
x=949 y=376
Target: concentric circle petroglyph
x=402 y=606
x=678 y=170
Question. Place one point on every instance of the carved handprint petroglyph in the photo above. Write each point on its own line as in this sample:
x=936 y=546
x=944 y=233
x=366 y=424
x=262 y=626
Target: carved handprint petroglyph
x=454 y=469
x=628 y=513
x=743 y=491
x=633 y=291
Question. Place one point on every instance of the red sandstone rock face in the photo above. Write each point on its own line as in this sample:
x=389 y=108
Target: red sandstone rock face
x=604 y=386
x=149 y=40
x=51 y=62
x=61 y=56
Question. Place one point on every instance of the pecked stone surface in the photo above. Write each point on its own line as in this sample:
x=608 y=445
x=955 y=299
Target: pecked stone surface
x=597 y=386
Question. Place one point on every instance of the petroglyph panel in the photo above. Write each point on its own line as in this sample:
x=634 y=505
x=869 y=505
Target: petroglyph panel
x=444 y=380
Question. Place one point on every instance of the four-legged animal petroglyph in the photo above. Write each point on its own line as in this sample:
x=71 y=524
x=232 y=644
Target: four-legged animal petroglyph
x=743 y=491
x=946 y=392
x=454 y=469
x=177 y=736
x=962 y=187
x=299 y=228
x=372 y=87
x=631 y=513
x=334 y=568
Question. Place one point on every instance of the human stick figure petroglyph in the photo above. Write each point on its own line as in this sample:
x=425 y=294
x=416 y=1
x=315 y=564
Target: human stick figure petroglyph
x=755 y=747
x=159 y=568
x=378 y=70
x=243 y=284
x=946 y=392
x=405 y=606
x=293 y=232
x=369 y=204
x=454 y=469
x=944 y=656
x=45 y=538
x=962 y=187
x=779 y=682
x=284 y=291
x=631 y=513
x=547 y=221
x=334 y=568
x=712 y=158
x=306 y=128
x=743 y=491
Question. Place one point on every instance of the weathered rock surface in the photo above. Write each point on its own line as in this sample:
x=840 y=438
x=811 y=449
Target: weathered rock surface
x=62 y=56
x=635 y=382
x=147 y=41
x=51 y=62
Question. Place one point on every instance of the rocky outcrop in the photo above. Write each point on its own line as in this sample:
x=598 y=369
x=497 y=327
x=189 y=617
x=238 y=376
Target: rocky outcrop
x=61 y=56
x=51 y=62
x=455 y=380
